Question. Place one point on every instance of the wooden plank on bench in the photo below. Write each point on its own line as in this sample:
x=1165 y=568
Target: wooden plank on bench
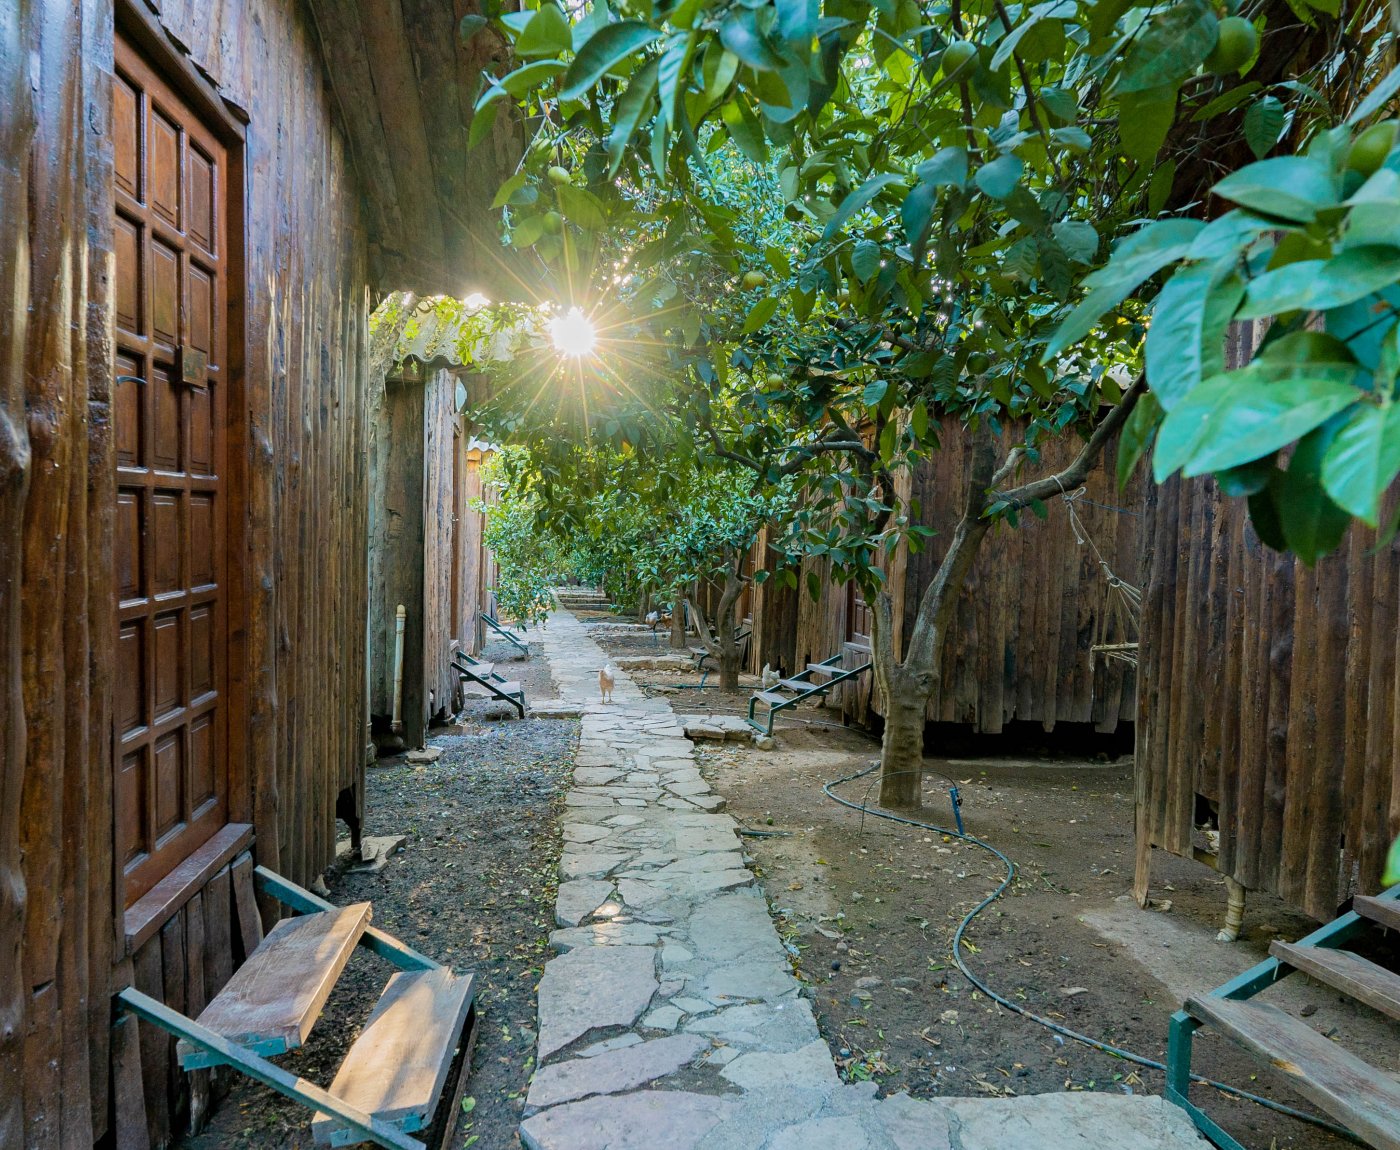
x=1355 y=1093
x=1385 y=911
x=274 y=999
x=397 y=1067
x=772 y=698
x=1364 y=981
x=801 y=685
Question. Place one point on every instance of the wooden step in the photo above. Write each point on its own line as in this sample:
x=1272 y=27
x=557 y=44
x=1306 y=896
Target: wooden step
x=274 y=999
x=772 y=698
x=1362 y=1098
x=396 y=1068
x=1385 y=911
x=1350 y=973
x=824 y=669
x=801 y=685
x=481 y=670
x=510 y=689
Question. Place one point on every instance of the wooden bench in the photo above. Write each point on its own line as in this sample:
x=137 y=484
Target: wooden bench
x=405 y=1072
x=1363 y=1098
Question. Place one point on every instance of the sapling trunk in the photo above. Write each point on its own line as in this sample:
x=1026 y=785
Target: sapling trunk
x=906 y=686
x=678 y=619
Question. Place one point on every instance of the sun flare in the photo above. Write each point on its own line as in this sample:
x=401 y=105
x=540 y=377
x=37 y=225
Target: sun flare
x=573 y=333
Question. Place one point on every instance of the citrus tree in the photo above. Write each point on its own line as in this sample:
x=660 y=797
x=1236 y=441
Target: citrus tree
x=836 y=226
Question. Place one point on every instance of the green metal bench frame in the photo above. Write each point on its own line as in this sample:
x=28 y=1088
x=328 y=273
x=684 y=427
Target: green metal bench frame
x=465 y=666
x=1183 y=1026
x=503 y=632
x=219 y=1051
x=818 y=690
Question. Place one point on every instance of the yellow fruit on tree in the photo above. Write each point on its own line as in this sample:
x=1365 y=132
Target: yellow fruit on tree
x=1234 y=46
x=558 y=175
x=957 y=56
x=754 y=280
x=1369 y=150
x=553 y=223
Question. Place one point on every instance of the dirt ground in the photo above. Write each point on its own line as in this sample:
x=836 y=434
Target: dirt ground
x=868 y=909
x=474 y=888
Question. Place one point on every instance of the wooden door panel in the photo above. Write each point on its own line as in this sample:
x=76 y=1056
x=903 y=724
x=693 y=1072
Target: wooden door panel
x=172 y=496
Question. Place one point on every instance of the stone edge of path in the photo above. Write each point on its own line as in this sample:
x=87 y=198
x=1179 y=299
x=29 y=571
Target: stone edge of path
x=670 y=1016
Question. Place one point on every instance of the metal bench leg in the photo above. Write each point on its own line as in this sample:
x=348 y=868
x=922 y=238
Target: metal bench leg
x=268 y=1073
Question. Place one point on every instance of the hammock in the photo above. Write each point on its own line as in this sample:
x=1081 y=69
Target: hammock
x=1124 y=600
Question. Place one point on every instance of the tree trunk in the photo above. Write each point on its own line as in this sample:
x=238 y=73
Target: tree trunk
x=720 y=643
x=902 y=746
x=906 y=687
x=678 y=642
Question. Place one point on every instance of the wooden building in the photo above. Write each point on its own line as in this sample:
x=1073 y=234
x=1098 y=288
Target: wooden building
x=1036 y=604
x=199 y=201
x=1269 y=703
x=427 y=554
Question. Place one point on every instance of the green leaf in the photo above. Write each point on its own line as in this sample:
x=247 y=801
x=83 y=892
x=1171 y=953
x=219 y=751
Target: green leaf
x=1138 y=434
x=1248 y=478
x=629 y=111
x=1263 y=125
x=1318 y=285
x=947 y=168
x=999 y=178
x=1237 y=416
x=1313 y=525
x=1189 y=316
x=1363 y=460
x=859 y=199
x=671 y=75
x=1289 y=187
x=582 y=207
x=875 y=392
x=1144 y=119
x=761 y=313
x=1175 y=42
x=1055 y=11
x=1379 y=96
x=605 y=49
x=1263 y=515
x=917 y=211
x=1078 y=239
x=529 y=77
x=744 y=129
x=483 y=118
x=865 y=260
x=739 y=33
x=508 y=189
x=1140 y=256
x=547 y=34
x=1072 y=137
x=1060 y=103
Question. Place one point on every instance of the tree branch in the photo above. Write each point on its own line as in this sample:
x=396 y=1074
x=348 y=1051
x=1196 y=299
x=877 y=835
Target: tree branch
x=1075 y=474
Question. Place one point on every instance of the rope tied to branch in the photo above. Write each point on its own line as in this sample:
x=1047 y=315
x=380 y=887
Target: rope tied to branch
x=1125 y=600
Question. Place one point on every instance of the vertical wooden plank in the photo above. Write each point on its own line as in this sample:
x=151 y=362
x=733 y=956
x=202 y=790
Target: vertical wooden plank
x=250 y=932
x=155 y=1048
x=175 y=978
x=128 y=1096
x=195 y=1000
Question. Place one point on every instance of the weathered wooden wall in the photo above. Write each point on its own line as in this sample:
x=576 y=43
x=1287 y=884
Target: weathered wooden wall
x=425 y=546
x=299 y=639
x=478 y=568
x=1035 y=604
x=1269 y=690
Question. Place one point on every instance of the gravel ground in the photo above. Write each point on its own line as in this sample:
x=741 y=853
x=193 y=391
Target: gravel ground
x=474 y=888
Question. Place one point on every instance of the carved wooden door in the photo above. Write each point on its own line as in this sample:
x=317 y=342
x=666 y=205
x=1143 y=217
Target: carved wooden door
x=172 y=498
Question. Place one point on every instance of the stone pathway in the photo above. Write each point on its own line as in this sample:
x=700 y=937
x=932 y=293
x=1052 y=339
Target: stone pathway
x=671 y=1019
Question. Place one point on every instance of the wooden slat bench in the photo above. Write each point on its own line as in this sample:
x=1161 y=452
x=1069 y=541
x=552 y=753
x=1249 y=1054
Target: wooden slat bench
x=1363 y=1098
x=406 y=1071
